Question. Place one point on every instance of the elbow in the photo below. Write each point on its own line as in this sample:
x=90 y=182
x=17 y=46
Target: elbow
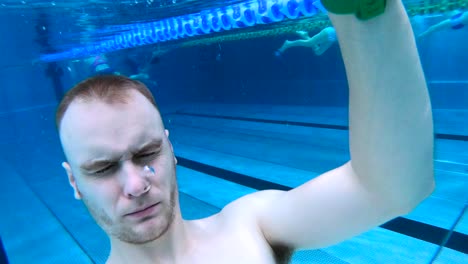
x=416 y=187
x=416 y=198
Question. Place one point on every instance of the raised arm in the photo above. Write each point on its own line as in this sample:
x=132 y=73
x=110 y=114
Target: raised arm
x=391 y=142
x=391 y=128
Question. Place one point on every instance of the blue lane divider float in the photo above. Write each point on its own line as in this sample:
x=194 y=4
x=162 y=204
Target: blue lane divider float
x=246 y=14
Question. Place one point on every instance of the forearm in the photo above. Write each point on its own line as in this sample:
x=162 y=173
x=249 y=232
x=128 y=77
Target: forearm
x=391 y=129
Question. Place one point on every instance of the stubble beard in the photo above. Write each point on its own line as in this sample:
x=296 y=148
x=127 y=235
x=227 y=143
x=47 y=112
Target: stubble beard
x=130 y=233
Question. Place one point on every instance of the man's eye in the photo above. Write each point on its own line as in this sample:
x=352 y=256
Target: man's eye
x=146 y=155
x=104 y=170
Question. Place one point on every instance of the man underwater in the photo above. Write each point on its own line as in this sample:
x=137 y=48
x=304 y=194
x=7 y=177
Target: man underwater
x=120 y=162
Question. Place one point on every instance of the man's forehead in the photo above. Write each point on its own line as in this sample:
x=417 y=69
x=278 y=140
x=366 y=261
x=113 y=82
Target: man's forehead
x=96 y=123
x=93 y=109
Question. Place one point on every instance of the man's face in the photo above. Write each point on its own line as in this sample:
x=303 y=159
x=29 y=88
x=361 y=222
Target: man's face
x=107 y=147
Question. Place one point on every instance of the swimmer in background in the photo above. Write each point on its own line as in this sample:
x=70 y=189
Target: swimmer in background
x=319 y=43
x=99 y=65
x=457 y=21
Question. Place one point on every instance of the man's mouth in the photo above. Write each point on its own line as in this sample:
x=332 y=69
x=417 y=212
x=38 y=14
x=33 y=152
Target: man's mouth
x=145 y=211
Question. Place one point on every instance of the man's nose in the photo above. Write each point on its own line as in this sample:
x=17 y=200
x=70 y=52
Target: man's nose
x=134 y=183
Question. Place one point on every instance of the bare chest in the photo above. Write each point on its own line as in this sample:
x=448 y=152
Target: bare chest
x=238 y=247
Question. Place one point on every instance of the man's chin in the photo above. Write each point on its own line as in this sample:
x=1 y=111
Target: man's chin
x=143 y=239
x=145 y=232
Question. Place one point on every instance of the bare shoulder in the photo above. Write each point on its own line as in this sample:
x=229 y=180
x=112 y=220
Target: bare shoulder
x=246 y=214
x=235 y=232
x=248 y=210
x=241 y=214
x=251 y=204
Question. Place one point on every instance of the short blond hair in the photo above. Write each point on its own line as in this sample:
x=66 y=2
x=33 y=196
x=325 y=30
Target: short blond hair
x=108 y=88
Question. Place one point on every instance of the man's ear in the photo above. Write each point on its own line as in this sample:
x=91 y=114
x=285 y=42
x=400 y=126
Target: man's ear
x=170 y=144
x=71 y=179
